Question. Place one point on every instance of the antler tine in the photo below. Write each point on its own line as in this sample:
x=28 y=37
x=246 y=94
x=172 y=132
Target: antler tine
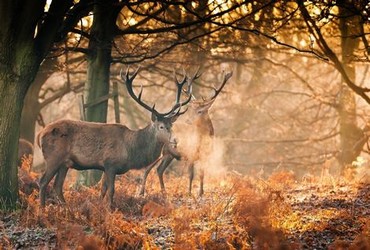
x=178 y=103
x=179 y=112
x=179 y=85
x=190 y=83
x=197 y=74
x=183 y=81
x=189 y=89
x=128 y=81
x=126 y=77
x=225 y=79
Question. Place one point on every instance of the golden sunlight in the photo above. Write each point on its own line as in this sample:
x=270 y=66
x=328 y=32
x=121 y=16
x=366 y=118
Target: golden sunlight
x=47 y=5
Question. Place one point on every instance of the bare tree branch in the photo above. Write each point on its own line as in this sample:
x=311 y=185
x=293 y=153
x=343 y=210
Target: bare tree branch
x=314 y=29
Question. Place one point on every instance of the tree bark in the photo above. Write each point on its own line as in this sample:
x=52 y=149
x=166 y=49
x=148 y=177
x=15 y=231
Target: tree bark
x=350 y=133
x=11 y=101
x=16 y=73
x=30 y=111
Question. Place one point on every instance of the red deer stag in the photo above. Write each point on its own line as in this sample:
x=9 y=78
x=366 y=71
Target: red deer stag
x=199 y=139
x=112 y=148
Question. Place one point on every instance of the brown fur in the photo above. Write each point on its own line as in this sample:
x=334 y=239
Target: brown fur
x=112 y=148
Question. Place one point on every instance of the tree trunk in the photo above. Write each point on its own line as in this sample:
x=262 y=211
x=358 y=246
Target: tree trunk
x=15 y=72
x=21 y=53
x=99 y=60
x=350 y=133
x=32 y=106
x=30 y=111
x=11 y=102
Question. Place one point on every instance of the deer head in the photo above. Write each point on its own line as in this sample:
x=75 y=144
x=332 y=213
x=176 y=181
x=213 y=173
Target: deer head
x=198 y=110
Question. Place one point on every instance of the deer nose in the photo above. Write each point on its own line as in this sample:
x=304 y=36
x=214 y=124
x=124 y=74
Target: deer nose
x=173 y=142
x=171 y=138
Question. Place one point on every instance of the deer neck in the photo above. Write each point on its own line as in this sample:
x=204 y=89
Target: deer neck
x=149 y=141
x=205 y=127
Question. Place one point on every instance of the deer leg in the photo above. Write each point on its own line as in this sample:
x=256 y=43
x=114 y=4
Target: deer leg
x=201 y=176
x=146 y=173
x=110 y=178
x=104 y=186
x=167 y=159
x=191 y=175
x=59 y=181
x=51 y=170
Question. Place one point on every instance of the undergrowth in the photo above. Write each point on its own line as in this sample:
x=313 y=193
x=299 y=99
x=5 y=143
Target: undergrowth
x=236 y=212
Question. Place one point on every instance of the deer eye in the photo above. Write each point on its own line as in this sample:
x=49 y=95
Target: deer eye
x=200 y=112
x=161 y=127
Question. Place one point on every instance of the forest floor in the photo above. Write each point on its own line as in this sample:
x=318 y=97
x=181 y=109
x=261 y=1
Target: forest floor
x=280 y=211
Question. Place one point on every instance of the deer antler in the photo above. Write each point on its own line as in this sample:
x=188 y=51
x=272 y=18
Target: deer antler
x=204 y=101
x=217 y=91
x=189 y=90
x=175 y=110
x=194 y=77
x=128 y=81
x=179 y=85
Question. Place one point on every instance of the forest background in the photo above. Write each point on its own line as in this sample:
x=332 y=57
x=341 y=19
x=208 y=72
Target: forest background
x=298 y=98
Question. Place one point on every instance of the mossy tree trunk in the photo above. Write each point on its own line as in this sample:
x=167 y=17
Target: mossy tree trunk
x=11 y=102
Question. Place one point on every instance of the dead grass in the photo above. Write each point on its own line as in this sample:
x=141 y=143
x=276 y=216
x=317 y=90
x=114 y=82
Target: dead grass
x=236 y=212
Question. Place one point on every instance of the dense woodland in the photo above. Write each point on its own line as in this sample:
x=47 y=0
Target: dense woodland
x=289 y=165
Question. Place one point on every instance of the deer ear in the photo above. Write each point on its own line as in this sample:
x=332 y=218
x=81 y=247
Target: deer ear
x=174 y=118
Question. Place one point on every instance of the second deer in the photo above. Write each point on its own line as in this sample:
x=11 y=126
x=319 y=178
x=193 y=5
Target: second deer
x=200 y=137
